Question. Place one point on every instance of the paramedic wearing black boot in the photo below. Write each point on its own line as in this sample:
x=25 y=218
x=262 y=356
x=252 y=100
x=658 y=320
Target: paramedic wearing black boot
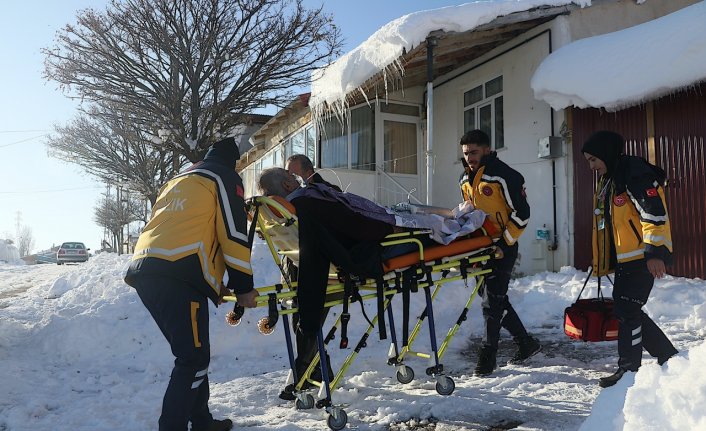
x=494 y=187
x=197 y=232
x=631 y=235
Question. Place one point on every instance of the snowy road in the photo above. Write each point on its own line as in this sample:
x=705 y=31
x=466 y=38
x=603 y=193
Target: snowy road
x=17 y=279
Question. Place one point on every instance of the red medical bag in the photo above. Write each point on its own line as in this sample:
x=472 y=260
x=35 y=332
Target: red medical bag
x=591 y=320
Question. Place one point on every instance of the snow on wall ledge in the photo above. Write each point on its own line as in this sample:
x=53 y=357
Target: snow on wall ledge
x=331 y=84
x=627 y=67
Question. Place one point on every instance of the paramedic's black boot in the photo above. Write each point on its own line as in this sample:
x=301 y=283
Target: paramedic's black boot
x=217 y=425
x=526 y=347
x=486 y=361
x=608 y=381
x=287 y=393
x=662 y=360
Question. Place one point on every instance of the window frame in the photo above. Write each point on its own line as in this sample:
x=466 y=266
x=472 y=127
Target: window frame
x=497 y=142
x=287 y=141
x=349 y=139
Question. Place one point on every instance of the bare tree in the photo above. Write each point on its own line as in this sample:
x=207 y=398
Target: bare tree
x=114 y=212
x=25 y=240
x=114 y=149
x=189 y=70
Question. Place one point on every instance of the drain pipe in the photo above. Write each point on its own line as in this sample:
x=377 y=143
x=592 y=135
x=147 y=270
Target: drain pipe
x=429 y=154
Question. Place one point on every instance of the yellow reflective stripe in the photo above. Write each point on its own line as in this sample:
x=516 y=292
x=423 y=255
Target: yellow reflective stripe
x=634 y=253
x=508 y=238
x=194 y=324
x=238 y=262
x=171 y=252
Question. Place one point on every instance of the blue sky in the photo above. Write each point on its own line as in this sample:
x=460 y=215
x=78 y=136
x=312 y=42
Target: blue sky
x=55 y=199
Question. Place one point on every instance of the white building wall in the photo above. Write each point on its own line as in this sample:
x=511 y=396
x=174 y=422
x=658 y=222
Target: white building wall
x=526 y=120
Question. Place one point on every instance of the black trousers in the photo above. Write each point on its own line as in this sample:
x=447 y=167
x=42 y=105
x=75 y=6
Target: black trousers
x=331 y=233
x=306 y=344
x=632 y=287
x=181 y=313
x=497 y=310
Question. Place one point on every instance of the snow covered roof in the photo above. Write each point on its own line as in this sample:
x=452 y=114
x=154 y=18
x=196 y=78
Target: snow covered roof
x=393 y=50
x=627 y=67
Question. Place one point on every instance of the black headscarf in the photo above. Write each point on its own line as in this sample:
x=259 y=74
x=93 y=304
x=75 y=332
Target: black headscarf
x=605 y=145
x=224 y=151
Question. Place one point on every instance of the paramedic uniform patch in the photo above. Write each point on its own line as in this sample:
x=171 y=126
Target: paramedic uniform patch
x=620 y=200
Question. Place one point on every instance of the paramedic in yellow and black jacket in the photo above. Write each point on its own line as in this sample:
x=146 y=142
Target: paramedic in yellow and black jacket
x=494 y=187
x=197 y=232
x=631 y=236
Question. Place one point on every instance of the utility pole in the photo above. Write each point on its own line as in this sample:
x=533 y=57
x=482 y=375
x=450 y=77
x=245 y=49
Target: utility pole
x=18 y=225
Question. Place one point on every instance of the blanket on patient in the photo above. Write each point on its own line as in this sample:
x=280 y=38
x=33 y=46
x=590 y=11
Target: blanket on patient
x=465 y=219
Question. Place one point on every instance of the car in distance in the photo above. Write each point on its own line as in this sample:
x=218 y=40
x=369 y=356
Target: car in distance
x=71 y=252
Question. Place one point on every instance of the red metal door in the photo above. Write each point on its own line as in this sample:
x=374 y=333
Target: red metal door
x=680 y=131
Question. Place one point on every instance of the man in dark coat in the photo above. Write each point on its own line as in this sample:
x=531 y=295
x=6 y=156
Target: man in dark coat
x=301 y=166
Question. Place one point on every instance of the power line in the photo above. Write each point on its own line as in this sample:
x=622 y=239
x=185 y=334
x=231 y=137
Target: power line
x=24 y=140
x=50 y=191
x=25 y=131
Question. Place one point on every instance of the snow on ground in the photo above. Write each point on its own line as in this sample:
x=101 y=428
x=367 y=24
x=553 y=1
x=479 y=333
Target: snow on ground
x=78 y=351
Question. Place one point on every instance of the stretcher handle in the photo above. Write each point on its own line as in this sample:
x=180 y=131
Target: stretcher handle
x=233 y=317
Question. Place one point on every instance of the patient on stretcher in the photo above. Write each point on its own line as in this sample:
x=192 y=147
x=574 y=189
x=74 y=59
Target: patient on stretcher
x=346 y=230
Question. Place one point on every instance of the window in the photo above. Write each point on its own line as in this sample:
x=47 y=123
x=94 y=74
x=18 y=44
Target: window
x=357 y=134
x=303 y=141
x=311 y=143
x=334 y=144
x=483 y=109
x=400 y=147
x=363 y=139
x=399 y=109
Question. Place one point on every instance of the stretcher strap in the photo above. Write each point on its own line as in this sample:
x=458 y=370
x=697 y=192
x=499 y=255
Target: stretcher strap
x=345 y=316
x=350 y=292
x=253 y=223
x=382 y=326
x=409 y=284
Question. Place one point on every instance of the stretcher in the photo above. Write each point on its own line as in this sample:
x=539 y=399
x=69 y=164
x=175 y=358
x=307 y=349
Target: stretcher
x=427 y=269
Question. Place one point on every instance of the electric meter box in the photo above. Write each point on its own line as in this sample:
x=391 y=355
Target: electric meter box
x=549 y=147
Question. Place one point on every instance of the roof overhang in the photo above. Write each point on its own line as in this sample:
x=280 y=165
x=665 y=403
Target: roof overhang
x=300 y=103
x=452 y=51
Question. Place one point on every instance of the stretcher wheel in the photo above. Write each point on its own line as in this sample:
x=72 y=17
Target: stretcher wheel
x=232 y=319
x=263 y=325
x=445 y=385
x=337 y=420
x=306 y=402
x=405 y=374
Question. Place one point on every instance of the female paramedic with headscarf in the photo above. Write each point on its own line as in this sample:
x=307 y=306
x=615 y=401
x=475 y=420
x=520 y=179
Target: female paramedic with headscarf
x=631 y=236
